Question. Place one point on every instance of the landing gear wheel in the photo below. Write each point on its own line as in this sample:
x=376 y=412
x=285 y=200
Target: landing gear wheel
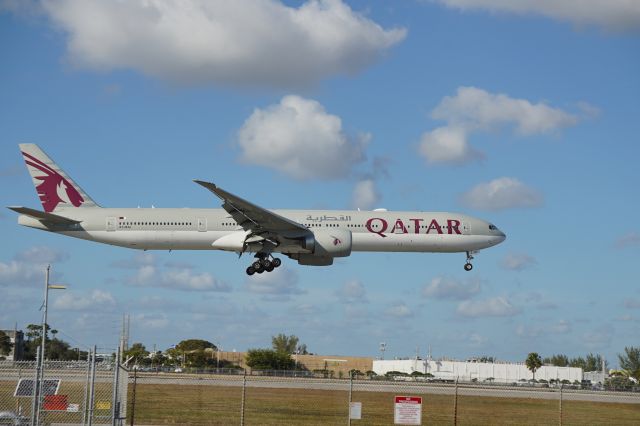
x=251 y=270
x=269 y=268
x=266 y=263
x=259 y=271
x=276 y=262
x=256 y=265
x=468 y=266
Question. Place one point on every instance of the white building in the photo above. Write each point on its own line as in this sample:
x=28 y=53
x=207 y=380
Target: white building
x=480 y=371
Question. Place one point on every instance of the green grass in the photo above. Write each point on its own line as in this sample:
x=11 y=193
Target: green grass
x=220 y=405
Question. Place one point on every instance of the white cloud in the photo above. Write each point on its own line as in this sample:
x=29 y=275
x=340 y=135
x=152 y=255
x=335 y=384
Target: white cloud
x=178 y=278
x=448 y=145
x=28 y=266
x=239 y=43
x=299 y=138
x=365 y=195
x=477 y=109
x=151 y=321
x=97 y=300
x=599 y=338
x=399 y=310
x=476 y=339
x=450 y=288
x=42 y=255
x=140 y=259
x=500 y=194
x=536 y=329
x=306 y=310
x=528 y=332
x=560 y=327
x=473 y=110
x=15 y=273
x=492 y=307
x=352 y=291
x=281 y=281
x=630 y=239
x=518 y=261
x=613 y=15
x=185 y=279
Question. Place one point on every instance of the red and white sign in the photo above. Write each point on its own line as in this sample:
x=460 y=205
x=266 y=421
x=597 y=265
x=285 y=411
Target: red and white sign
x=408 y=410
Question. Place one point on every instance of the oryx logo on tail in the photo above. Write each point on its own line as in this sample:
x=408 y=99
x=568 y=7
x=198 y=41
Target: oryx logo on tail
x=54 y=189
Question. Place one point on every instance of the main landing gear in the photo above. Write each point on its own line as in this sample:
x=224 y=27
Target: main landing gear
x=468 y=266
x=265 y=262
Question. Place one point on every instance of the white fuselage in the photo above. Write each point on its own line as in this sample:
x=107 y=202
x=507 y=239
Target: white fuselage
x=214 y=229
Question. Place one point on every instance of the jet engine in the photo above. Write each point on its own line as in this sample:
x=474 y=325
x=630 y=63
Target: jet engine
x=324 y=245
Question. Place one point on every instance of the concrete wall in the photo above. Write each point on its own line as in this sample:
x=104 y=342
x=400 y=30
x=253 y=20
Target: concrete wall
x=467 y=371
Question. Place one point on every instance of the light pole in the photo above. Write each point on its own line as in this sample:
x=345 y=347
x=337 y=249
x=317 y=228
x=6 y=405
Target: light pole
x=383 y=347
x=47 y=286
x=40 y=361
x=218 y=349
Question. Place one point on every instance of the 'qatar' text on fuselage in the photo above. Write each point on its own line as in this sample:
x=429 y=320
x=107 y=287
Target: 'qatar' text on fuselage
x=378 y=225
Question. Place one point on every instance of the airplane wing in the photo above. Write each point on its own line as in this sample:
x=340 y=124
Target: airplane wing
x=254 y=218
x=43 y=216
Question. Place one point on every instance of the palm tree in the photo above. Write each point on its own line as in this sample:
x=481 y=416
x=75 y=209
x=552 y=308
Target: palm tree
x=533 y=362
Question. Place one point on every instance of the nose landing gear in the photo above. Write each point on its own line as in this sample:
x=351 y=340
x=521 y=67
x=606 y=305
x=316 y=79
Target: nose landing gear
x=468 y=266
x=265 y=262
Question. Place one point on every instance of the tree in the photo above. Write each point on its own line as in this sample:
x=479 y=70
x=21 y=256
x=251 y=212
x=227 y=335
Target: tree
x=5 y=344
x=578 y=362
x=630 y=361
x=194 y=345
x=193 y=352
x=268 y=359
x=285 y=344
x=355 y=373
x=533 y=362
x=138 y=354
x=54 y=348
x=593 y=362
x=558 y=360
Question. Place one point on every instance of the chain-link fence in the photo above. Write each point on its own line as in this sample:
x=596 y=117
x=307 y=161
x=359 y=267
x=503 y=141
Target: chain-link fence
x=78 y=392
x=227 y=399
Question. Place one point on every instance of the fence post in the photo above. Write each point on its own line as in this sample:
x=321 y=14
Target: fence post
x=115 y=404
x=244 y=389
x=85 y=403
x=350 y=394
x=92 y=385
x=133 y=397
x=561 y=404
x=455 y=404
x=35 y=404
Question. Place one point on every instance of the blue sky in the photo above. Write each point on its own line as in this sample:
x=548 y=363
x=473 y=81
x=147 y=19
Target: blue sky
x=521 y=113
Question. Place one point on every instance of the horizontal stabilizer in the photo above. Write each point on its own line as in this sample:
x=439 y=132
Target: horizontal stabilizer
x=43 y=216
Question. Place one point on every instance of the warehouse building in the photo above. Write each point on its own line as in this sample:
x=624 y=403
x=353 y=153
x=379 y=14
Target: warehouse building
x=499 y=372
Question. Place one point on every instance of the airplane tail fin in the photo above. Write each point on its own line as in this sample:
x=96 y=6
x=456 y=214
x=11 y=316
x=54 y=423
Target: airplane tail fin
x=55 y=188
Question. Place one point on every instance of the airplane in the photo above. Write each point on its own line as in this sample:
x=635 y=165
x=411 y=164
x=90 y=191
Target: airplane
x=311 y=237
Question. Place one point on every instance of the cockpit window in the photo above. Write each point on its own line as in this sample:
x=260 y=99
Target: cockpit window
x=493 y=227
